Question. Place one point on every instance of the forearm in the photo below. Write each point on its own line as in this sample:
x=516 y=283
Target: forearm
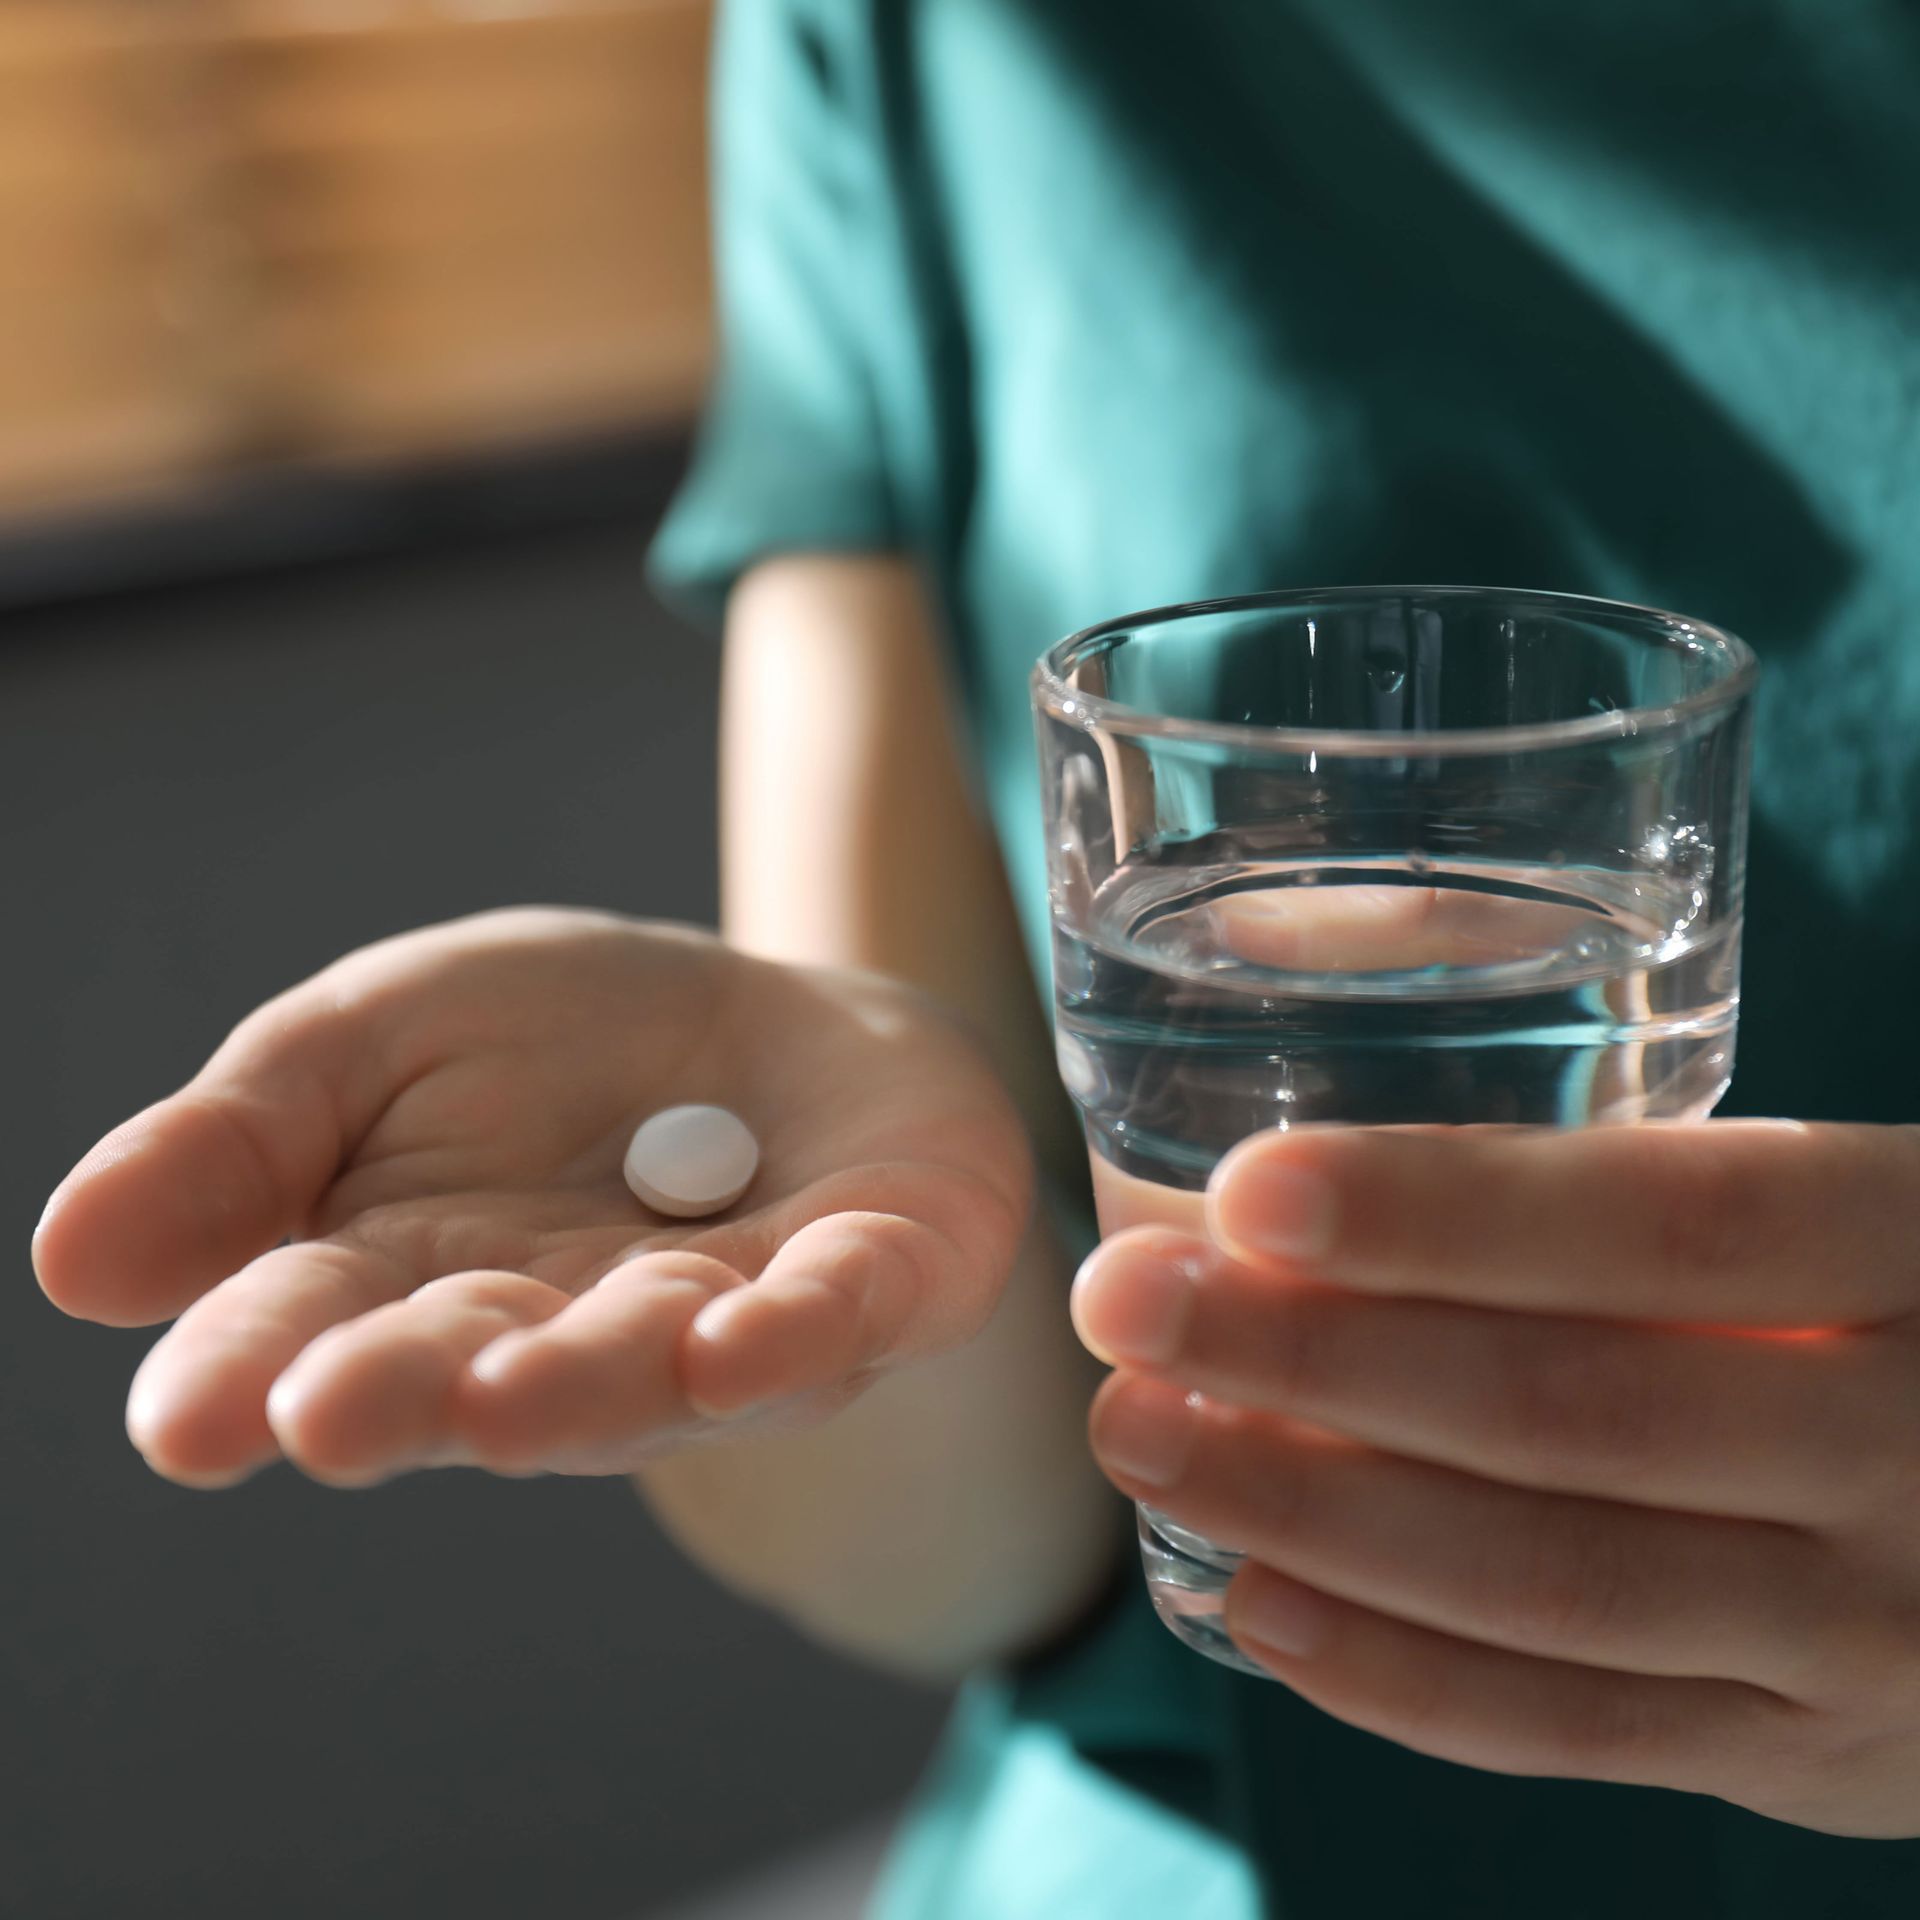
x=850 y=833
x=953 y=1513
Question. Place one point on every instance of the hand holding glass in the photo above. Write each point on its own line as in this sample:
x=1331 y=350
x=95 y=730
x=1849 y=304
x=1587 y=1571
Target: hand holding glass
x=1377 y=857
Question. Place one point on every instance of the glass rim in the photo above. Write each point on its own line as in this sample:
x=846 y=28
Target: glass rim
x=1091 y=711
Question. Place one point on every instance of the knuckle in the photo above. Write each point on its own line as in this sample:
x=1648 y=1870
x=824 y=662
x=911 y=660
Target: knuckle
x=1780 y=1760
x=1862 y=1656
x=1579 y=1403
x=1256 y=1487
x=1889 y=1449
x=1295 y=1338
x=1608 y=1728
x=1281 y=1486
x=1561 y=1585
x=1704 y=1222
x=1426 y=1708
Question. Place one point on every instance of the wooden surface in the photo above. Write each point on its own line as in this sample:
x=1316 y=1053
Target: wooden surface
x=246 y=232
x=108 y=271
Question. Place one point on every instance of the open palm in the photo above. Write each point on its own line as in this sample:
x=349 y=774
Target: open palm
x=390 y=1212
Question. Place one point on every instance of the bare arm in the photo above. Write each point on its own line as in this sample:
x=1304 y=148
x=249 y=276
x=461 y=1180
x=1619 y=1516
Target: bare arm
x=952 y=1515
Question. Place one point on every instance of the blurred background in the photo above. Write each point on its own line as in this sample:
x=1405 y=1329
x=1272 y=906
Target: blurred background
x=348 y=350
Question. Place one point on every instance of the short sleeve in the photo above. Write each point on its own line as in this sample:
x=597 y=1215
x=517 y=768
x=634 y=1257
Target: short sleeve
x=790 y=454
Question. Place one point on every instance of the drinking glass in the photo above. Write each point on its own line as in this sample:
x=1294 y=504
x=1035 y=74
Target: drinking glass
x=1374 y=856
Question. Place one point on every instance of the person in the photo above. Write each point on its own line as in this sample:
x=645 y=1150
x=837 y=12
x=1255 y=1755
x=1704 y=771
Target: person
x=1606 y=1601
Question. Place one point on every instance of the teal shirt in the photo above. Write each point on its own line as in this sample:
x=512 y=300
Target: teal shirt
x=1101 y=304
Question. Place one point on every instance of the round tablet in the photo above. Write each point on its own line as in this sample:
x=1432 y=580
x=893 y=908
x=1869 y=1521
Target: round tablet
x=691 y=1161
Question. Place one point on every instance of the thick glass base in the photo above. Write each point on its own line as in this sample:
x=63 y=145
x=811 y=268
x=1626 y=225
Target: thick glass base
x=1187 y=1579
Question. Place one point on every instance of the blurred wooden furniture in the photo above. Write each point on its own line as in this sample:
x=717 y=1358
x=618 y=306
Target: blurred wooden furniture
x=465 y=223
x=109 y=281
x=247 y=232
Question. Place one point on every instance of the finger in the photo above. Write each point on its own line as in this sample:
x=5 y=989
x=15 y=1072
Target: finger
x=853 y=1292
x=1571 y=1579
x=376 y=1395
x=836 y=1302
x=189 y=1191
x=1508 y=1712
x=1729 y=1422
x=591 y=1387
x=1758 y=1222
x=198 y=1405
x=1368 y=928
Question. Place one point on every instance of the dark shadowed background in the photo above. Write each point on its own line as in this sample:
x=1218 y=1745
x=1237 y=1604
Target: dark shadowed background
x=449 y=1695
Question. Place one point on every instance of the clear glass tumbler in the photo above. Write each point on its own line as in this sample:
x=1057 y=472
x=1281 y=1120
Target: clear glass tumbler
x=1375 y=856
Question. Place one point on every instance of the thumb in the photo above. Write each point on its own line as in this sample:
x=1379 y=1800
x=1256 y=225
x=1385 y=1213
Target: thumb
x=189 y=1191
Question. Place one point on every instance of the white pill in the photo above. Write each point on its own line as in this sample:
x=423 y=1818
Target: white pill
x=692 y=1161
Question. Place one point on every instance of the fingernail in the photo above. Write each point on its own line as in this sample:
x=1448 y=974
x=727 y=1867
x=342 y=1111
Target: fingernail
x=1266 y=1206
x=1278 y=1614
x=1145 y=1433
x=1132 y=1305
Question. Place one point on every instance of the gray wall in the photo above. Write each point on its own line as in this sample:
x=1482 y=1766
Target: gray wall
x=446 y=1695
